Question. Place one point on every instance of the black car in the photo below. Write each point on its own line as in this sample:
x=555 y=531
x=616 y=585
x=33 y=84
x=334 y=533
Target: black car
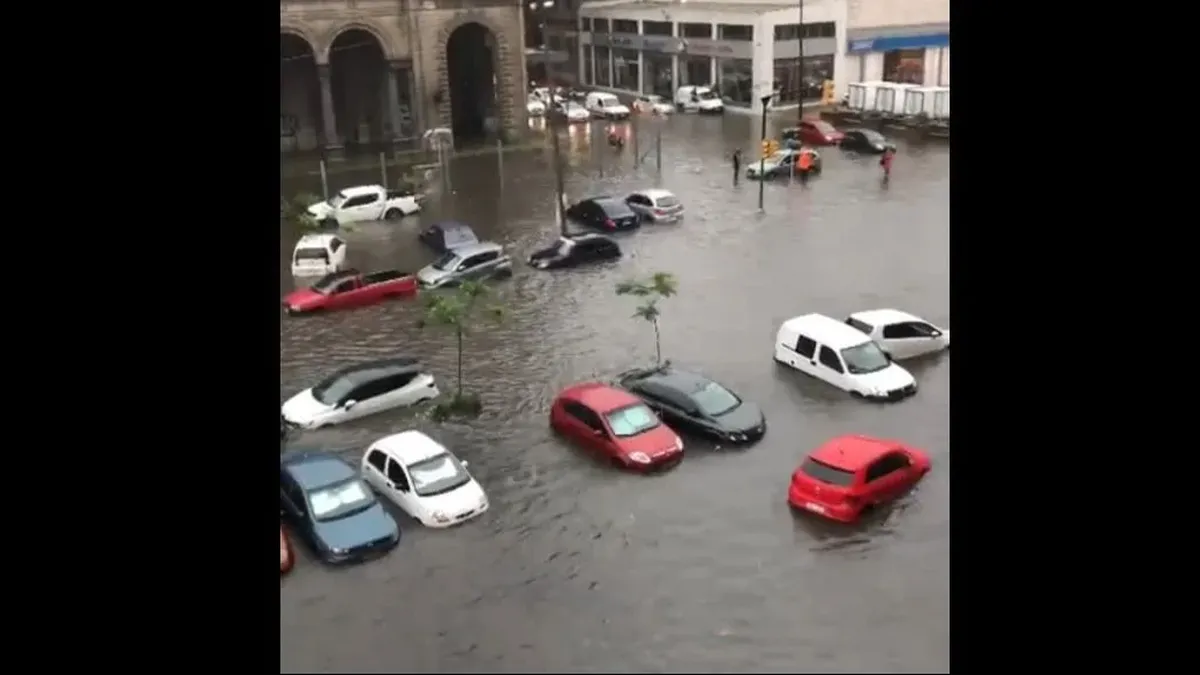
x=448 y=234
x=866 y=141
x=692 y=403
x=604 y=213
x=572 y=251
x=332 y=508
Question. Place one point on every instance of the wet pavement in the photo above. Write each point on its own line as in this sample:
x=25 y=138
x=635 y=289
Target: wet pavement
x=578 y=567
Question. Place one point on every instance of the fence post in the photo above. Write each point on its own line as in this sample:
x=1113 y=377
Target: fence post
x=324 y=180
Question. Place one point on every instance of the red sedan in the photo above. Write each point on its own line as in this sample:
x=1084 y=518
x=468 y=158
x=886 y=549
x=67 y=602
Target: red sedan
x=350 y=288
x=851 y=474
x=286 y=559
x=616 y=424
x=819 y=132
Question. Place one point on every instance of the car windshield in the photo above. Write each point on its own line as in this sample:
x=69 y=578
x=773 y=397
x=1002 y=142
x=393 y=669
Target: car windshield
x=826 y=474
x=715 y=400
x=607 y=101
x=437 y=475
x=631 y=420
x=337 y=200
x=824 y=127
x=668 y=202
x=312 y=254
x=706 y=95
x=340 y=500
x=865 y=358
x=327 y=282
x=333 y=391
x=446 y=262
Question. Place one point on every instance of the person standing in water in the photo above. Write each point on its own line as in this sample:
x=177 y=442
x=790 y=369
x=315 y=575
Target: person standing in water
x=804 y=164
x=737 y=165
x=886 y=162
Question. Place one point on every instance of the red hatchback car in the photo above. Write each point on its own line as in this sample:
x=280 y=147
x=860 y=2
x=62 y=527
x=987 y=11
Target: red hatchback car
x=617 y=424
x=851 y=474
x=819 y=132
x=286 y=557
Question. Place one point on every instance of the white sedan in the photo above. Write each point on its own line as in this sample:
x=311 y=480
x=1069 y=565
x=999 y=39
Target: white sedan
x=360 y=390
x=424 y=479
x=574 y=112
x=653 y=104
x=900 y=334
x=535 y=107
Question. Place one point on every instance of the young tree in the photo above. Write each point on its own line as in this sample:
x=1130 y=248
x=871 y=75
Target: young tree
x=661 y=285
x=458 y=310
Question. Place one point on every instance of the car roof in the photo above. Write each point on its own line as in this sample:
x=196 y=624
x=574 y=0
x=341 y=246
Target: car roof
x=447 y=225
x=360 y=190
x=853 y=452
x=599 y=396
x=369 y=370
x=684 y=381
x=610 y=201
x=477 y=247
x=409 y=447
x=323 y=239
x=337 y=276
x=655 y=193
x=883 y=317
x=314 y=469
x=829 y=332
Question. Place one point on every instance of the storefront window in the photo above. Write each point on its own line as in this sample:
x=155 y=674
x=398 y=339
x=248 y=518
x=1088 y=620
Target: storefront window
x=599 y=25
x=624 y=26
x=656 y=73
x=602 y=65
x=789 y=82
x=625 y=69
x=736 y=32
x=904 y=65
x=737 y=80
x=656 y=28
x=696 y=30
x=695 y=70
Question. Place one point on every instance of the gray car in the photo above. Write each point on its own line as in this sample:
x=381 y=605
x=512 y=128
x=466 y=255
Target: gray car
x=472 y=262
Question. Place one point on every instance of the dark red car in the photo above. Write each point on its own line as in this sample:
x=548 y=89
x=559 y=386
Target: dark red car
x=851 y=474
x=616 y=424
x=819 y=132
x=286 y=559
x=350 y=288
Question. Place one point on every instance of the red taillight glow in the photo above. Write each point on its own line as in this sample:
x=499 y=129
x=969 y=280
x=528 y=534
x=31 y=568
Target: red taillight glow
x=659 y=212
x=610 y=224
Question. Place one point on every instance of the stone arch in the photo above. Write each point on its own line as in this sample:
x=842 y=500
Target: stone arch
x=303 y=33
x=299 y=90
x=380 y=35
x=504 y=86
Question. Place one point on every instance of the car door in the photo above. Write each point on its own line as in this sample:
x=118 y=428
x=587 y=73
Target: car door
x=831 y=369
x=805 y=359
x=374 y=471
x=597 y=436
x=808 y=132
x=640 y=204
x=292 y=502
x=360 y=208
x=400 y=489
x=369 y=398
x=888 y=477
x=342 y=295
x=910 y=338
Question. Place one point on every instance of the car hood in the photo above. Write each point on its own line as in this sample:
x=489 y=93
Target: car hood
x=655 y=442
x=303 y=408
x=303 y=297
x=356 y=530
x=742 y=418
x=430 y=275
x=465 y=498
x=892 y=377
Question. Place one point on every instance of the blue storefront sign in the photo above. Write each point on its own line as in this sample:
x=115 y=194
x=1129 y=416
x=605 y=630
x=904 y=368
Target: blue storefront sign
x=887 y=44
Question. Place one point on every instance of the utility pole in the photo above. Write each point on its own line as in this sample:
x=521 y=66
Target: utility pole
x=552 y=119
x=803 y=84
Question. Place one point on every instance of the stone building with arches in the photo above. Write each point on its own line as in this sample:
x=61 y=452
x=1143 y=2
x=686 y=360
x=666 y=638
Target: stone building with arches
x=365 y=72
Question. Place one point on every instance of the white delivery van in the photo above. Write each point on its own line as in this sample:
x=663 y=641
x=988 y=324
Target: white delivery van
x=698 y=99
x=318 y=254
x=605 y=105
x=843 y=356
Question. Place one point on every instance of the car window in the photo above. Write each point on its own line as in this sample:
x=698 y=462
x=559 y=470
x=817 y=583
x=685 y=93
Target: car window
x=615 y=209
x=667 y=201
x=806 y=346
x=335 y=244
x=377 y=459
x=865 y=358
x=583 y=414
x=368 y=390
x=887 y=465
x=345 y=285
x=486 y=257
x=312 y=254
x=361 y=200
x=446 y=262
x=826 y=474
x=829 y=359
x=396 y=474
x=397 y=381
x=715 y=400
x=860 y=325
x=632 y=420
x=900 y=331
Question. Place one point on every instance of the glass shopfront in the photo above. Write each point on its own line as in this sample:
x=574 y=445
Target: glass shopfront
x=625 y=69
x=904 y=65
x=656 y=74
x=695 y=70
x=790 y=84
x=736 y=81
x=587 y=66
x=603 y=62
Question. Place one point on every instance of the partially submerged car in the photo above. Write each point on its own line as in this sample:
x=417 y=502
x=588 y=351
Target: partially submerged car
x=577 y=250
x=900 y=334
x=423 y=478
x=360 y=390
x=471 y=262
x=350 y=288
x=447 y=235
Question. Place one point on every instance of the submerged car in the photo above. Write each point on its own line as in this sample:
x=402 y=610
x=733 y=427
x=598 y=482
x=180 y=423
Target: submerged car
x=866 y=141
x=781 y=164
x=423 y=478
x=604 y=213
x=360 y=390
x=615 y=424
x=843 y=356
x=653 y=104
x=852 y=474
x=330 y=507
x=812 y=132
x=447 y=235
x=656 y=205
x=350 y=288
x=577 y=250
x=692 y=403
x=899 y=334
x=470 y=262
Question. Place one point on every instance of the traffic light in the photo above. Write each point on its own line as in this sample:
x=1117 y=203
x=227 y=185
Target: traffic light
x=770 y=147
x=828 y=96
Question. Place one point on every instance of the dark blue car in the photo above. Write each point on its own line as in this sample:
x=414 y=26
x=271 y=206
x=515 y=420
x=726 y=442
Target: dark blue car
x=332 y=508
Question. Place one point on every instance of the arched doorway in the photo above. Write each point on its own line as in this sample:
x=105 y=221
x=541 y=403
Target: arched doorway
x=470 y=69
x=299 y=95
x=358 y=71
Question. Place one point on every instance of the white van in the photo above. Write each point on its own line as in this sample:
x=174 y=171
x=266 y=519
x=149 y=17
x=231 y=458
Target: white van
x=605 y=105
x=318 y=254
x=843 y=356
x=699 y=100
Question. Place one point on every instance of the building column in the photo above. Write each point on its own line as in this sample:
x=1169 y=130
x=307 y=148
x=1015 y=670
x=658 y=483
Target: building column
x=393 y=99
x=333 y=148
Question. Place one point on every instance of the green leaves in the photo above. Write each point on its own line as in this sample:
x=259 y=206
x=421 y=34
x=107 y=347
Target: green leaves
x=457 y=307
x=661 y=284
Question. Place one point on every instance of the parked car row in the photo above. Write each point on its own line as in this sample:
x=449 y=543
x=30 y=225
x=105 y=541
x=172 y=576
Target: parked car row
x=572 y=104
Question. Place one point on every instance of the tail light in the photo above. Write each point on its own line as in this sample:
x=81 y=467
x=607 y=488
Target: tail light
x=659 y=212
x=610 y=224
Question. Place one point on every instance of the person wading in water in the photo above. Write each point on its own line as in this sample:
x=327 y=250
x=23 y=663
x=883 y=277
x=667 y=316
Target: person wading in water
x=804 y=164
x=737 y=165
x=886 y=163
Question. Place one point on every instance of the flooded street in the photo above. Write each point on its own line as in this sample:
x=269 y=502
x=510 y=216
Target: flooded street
x=578 y=567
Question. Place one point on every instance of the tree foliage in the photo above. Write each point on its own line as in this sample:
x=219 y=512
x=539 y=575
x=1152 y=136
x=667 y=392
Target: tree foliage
x=659 y=286
x=458 y=310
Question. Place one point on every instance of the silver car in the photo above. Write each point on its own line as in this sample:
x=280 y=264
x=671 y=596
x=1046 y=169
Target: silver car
x=656 y=206
x=475 y=262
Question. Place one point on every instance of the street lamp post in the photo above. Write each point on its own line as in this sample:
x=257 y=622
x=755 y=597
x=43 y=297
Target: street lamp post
x=762 y=162
x=803 y=84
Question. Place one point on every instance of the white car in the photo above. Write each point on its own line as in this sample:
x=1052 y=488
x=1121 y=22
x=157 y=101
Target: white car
x=318 y=254
x=606 y=106
x=534 y=107
x=360 y=390
x=365 y=202
x=900 y=334
x=574 y=112
x=424 y=479
x=843 y=356
x=656 y=205
x=699 y=100
x=653 y=104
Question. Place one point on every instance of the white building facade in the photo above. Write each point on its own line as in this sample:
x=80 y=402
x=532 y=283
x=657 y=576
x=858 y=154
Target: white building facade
x=742 y=48
x=898 y=41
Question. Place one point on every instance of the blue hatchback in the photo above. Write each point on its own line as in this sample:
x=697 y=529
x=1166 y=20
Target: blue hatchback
x=332 y=508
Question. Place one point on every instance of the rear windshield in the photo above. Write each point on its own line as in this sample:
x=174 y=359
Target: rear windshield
x=615 y=208
x=312 y=254
x=826 y=474
x=668 y=202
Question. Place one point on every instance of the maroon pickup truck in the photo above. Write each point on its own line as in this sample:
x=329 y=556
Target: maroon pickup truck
x=350 y=288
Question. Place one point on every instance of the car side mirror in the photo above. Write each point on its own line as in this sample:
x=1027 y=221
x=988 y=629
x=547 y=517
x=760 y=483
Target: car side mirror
x=349 y=404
